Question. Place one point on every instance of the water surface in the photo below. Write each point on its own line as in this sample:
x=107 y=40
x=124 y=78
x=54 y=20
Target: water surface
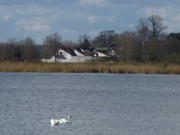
x=100 y=104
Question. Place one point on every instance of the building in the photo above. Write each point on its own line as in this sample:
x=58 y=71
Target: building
x=69 y=55
x=77 y=54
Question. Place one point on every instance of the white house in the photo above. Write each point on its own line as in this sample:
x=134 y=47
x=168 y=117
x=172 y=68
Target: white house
x=100 y=54
x=78 y=55
x=68 y=55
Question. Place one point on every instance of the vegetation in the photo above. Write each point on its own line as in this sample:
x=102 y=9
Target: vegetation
x=114 y=67
x=147 y=44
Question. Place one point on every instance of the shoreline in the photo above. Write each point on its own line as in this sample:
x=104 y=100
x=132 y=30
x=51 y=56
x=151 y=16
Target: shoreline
x=114 y=67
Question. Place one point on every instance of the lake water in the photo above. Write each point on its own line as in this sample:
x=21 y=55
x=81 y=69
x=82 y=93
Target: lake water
x=100 y=104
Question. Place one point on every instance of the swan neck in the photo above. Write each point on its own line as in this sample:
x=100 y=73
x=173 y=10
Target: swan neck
x=69 y=119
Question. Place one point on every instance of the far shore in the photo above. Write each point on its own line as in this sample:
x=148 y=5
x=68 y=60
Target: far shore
x=113 y=67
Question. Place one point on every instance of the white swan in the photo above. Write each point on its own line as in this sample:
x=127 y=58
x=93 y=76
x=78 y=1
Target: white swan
x=60 y=121
x=54 y=122
x=64 y=121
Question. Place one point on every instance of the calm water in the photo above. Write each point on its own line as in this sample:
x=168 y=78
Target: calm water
x=100 y=104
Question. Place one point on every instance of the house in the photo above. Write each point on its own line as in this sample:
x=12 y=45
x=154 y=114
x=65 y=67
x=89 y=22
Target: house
x=77 y=54
x=100 y=54
x=69 y=55
x=104 y=52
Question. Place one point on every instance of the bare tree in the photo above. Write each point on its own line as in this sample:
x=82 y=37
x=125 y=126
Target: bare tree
x=143 y=33
x=150 y=30
x=51 y=44
x=3 y=51
x=156 y=26
x=143 y=30
x=84 y=41
x=29 y=52
x=69 y=43
x=106 y=38
x=127 y=49
x=151 y=27
x=13 y=50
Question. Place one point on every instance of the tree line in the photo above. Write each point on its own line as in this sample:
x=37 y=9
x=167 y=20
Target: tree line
x=147 y=43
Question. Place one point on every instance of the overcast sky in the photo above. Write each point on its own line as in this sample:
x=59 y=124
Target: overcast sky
x=71 y=18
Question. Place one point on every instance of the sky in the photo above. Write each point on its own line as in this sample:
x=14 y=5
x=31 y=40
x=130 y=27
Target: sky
x=70 y=18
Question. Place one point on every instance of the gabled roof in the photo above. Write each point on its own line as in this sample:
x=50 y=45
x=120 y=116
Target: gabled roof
x=80 y=51
x=69 y=50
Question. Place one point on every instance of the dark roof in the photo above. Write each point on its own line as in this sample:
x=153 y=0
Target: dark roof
x=80 y=51
x=69 y=50
x=88 y=49
x=102 y=49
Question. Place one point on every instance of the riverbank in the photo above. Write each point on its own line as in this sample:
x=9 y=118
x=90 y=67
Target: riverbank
x=90 y=68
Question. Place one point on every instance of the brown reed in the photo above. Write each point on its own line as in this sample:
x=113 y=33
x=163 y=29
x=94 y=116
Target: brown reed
x=90 y=68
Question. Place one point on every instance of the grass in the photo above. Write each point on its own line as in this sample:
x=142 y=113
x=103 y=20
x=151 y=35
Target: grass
x=115 y=67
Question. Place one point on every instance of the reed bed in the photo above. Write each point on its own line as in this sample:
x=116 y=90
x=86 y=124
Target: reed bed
x=90 y=68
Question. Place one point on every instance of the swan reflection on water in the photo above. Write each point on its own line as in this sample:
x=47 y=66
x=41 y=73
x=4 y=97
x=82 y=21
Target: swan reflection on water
x=60 y=121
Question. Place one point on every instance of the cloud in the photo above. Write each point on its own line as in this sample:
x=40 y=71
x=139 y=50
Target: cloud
x=98 y=3
x=36 y=18
x=69 y=33
x=176 y=18
x=91 y=19
x=123 y=5
x=5 y=17
x=33 y=24
x=110 y=20
x=148 y=11
x=169 y=14
x=37 y=27
x=36 y=10
x=94 y=33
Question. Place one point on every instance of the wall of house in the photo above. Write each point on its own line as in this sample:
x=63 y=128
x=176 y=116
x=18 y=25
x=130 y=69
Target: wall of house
x=75 y=59
x=49 y=60
x=64 y=53
x=78 y=53
x=99 y=54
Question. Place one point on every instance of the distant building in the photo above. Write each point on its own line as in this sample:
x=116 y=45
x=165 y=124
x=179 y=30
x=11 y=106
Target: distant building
x=104 y=52
x=77 y=54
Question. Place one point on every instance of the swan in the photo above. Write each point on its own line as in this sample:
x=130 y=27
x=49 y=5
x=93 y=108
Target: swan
x=60 y=121
x=54 y=122
x=64 y=121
